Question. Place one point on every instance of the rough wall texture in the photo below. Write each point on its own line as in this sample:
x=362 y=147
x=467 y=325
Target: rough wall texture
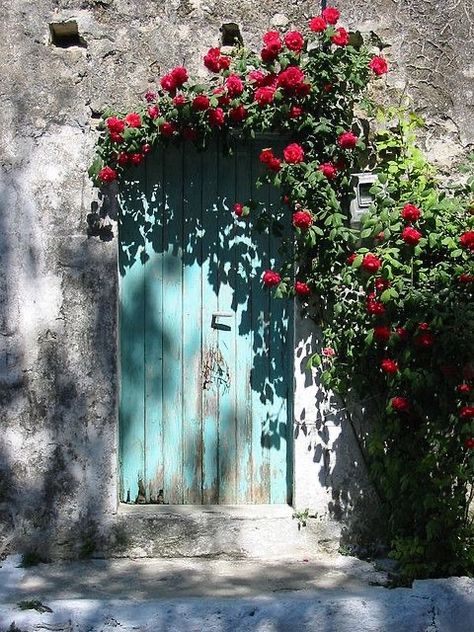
x=58 y=374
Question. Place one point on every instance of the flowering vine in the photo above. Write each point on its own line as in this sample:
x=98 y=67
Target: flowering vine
x=392 y=298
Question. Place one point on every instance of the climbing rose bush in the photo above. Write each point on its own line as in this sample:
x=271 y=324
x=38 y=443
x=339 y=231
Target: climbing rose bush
x=394 y=299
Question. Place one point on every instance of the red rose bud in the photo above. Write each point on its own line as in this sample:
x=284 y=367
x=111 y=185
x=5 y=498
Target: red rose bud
x=153 y=111
x=402 y=333
x=389 y=366
x=107 y=174
x=340 y=37
x=375 y=308
x=293 y=154
x=424 y=340
x=116 y=138
x=180 y=76
x=328 y=352
x=317 y=24
x=115 y=125
x=467 y=240
x=201 y=103
x=302 y=289
x=411 y=236
x=275 y=164
x=146 y=148
x=271 y=278
x=294 y=41
x=238 y=209
x=400 y=404
x=347 y=140
x=331 y=15
x=302 y=220
x=464 y=388
x=327 y=88
x=382 y=333
x=266 y=156
x=238 y=114
x=469 y=443
x=285 y=199
x=329 y=170
x=136 y=159
x=133 y=119
x=466 y=412
x=378 y=65
x=466 y=278
x=371 y=263
x=410 y=213
x=351 y=258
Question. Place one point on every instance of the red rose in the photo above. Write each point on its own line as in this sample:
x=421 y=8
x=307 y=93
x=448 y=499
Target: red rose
x=224 y=62
x=216 y=117
x=347 y=140
x=378 y=65
x=271 y=278
x=317 y=24
x=116 y=138
x=153 y=111
x=410 y=213
x=295 y=111
x=179 y=100
x=180 y=76
x=402 y=333
x=294 y=41
x=328 y=169
x=400 y=404
x=136 y=159
x=290 y=79
x=212 y=59
x=201 y=103
x=107 y=174
x=389 y=366
x=167 y=129
x=168 y=83
x=340 y=37
x=463 y=388
x=150 y=96
x=238 y=209
x=264 y=96
x=351 y=258
x=466 y=278
x=271 y=37
x=133 y=119
x=302 y=289
x=115 y=125
x=469 y=443
x=302 y=219
x=425 y=339
x=272 y=47
x=381 y=284
x=466 y=412
x=328 y=352
x=293 y=154
x=257 y=77
x=238 y=114
x=331 y=15
x=234 y=85
x=266 y=156
x=123 y=158
x=411 y=236
x=371 y=263
x=467 y=240
x=189 y=133
x=382 y=333
x=275 y=164
x=375 y=308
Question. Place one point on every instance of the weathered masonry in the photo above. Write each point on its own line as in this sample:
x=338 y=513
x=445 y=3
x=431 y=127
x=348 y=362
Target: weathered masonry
x=79 y=411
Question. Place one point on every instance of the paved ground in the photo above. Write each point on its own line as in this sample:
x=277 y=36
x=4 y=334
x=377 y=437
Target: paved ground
x=328 y=594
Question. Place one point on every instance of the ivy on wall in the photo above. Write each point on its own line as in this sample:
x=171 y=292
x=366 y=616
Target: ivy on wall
x=394 y=299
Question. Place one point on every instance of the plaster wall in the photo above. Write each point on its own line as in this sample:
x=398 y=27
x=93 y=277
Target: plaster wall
x=58 y=286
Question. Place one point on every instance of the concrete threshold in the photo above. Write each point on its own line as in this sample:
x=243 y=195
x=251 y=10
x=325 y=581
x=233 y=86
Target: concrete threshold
x=239 y=512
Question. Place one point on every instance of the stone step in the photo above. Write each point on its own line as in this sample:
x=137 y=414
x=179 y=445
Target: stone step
x=232 y=532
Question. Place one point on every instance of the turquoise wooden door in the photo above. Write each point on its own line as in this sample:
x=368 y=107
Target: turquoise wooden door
x=206 y=355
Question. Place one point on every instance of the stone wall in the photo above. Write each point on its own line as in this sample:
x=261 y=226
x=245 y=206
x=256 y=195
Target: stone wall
x=58 y=373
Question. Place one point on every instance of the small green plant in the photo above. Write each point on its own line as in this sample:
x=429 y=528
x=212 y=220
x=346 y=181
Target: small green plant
x=302 y=517
x=33 y=604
